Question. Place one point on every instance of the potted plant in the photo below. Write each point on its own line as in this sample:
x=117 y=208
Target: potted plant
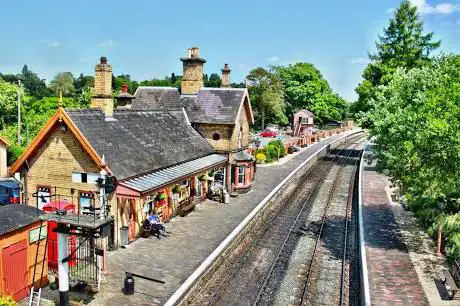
x=175 y=189
x=202 y=177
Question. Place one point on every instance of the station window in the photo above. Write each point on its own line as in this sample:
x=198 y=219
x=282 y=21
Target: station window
x=241 y=175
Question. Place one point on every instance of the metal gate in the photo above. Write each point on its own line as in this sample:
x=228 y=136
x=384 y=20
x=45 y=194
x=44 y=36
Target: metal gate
x=84 y=265
x=15 y=271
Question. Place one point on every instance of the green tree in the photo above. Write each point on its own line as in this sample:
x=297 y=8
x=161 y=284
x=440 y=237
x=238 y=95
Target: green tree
x=403 y=44
x=63 y=82
x=305 y=87
x=416 y=131
x=267 y=97
x=213 y=81
x=8 y=103
x=82 y=83
x=34 y=86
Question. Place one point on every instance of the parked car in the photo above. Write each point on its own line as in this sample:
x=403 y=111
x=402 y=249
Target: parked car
x=9 y=192
x=268 y=133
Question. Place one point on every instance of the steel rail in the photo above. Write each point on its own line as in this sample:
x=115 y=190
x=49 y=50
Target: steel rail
x=291 y=230
x=323 y=222
x=347 y=221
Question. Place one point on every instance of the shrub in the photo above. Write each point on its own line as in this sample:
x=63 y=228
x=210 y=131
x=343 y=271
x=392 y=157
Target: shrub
x=273 y=146
x=7 y=301
x=261 y=158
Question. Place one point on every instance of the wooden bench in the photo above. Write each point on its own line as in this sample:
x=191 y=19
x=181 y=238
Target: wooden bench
x=450 y=280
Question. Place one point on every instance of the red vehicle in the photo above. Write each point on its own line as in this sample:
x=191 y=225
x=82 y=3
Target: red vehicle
x=270 y=134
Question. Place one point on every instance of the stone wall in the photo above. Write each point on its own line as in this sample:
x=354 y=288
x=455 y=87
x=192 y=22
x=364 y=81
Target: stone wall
x=224 y=131
x=192 y=80
x=102 y=91
x=53 y=164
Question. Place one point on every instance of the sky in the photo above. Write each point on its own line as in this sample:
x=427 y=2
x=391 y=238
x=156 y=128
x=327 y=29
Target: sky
x=145 y=38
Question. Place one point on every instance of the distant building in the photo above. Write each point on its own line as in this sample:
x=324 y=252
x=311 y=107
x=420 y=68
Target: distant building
x=303 y=123
x=3 y=157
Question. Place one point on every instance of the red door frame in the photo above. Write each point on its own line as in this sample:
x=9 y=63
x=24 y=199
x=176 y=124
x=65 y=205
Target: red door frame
x=15 y=270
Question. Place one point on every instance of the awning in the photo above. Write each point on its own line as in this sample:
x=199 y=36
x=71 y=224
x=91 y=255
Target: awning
x=169 y=175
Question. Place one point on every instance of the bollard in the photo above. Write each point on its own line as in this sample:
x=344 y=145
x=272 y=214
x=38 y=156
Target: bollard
x=129 y=284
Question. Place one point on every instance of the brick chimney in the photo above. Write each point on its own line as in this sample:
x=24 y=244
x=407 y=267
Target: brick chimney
x=125 y=99
x=102 y=91
x=192 y=79
x=226 y=76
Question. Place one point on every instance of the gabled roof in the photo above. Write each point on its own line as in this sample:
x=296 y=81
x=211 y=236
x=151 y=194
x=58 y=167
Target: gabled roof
x=4 y=141
x=140 y=141
x=132 y=141
x=306 y=111
x=210 y=105
x=16 y=216
x=49 y=127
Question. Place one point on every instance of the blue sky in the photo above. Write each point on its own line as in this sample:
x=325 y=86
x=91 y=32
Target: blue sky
x=146 y=38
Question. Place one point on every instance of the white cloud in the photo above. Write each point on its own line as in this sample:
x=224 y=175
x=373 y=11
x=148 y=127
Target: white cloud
x=441 y=8
x=273 y=59
x=108 y=44
x=54 y=44
x=51 y=43
x=360 y=61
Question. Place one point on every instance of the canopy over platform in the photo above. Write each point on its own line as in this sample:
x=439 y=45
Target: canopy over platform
x=82 y=225
x=169 y=175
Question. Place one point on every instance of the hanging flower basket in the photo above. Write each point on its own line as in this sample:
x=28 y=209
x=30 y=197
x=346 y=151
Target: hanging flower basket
x=175 y=189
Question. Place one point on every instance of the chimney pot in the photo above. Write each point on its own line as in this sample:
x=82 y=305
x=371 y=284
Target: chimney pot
x=124 y=88
x=103 y=60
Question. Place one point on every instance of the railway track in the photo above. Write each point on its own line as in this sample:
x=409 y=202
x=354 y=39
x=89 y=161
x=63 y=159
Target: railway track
x=254 y=278
x=328 y=272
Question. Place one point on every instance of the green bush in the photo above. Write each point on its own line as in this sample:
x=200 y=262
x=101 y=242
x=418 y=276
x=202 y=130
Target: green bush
x=7 y=301
x=272 y=149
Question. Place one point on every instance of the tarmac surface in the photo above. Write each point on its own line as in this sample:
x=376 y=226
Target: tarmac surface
x=192 y=238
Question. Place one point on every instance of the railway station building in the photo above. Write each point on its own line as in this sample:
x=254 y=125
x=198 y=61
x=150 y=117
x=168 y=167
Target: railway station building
x=164 y=146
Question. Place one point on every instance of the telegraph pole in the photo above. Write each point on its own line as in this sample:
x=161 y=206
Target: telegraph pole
x=19 y=112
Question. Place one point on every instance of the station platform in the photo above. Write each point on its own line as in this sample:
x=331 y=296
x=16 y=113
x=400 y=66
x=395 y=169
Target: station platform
x=392 y=277
x=174 y=258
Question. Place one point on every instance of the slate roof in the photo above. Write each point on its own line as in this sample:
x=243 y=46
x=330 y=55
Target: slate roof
x=307 y=112
x=157 y=98
x=210 y=105
x=16 y=216
x=140 y=141
x=168 y=175
x=243 y=156
x=216 y=105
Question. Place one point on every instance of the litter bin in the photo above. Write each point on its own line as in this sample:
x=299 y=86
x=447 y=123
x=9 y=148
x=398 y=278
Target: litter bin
x=123 y=236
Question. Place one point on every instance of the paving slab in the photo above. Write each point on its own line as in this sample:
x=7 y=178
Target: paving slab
x=192 y=238
x=393 y=279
